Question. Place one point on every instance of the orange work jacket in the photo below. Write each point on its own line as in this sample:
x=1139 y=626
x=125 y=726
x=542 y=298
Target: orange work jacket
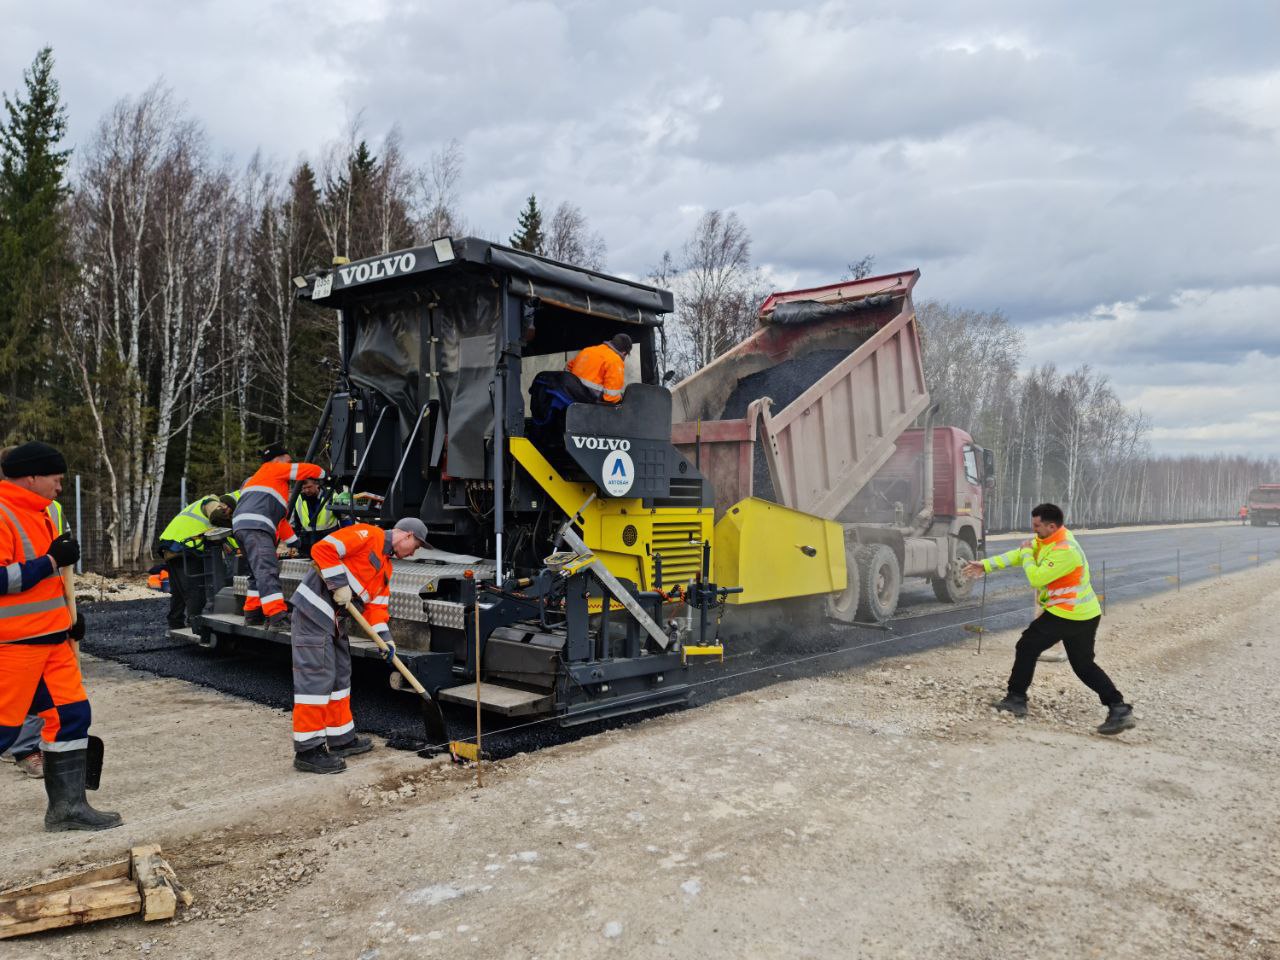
x=39 y=614
x=358 y=557
x=264 y=498
x=601 y=369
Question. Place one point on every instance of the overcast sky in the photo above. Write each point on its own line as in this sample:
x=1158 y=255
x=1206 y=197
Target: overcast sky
x=1107 y=174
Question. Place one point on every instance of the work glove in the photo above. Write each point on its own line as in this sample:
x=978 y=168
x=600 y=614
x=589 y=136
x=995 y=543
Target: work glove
x=342 y=596
x=65 y=551
x=282 y=549
x=77 y=629
x=389 y=654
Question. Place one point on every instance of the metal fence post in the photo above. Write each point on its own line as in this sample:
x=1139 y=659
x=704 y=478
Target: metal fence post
x=79 y=528
x=182 y=492
x=1179 y=569
x=1104 y=586
x=1219 y=559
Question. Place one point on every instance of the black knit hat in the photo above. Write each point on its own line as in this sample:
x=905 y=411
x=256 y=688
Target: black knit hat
x=34 y=459
x=621 y=342
x=273 y=450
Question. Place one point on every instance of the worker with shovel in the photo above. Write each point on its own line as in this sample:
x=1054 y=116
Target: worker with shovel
x=350 y=564
x=1056 y=566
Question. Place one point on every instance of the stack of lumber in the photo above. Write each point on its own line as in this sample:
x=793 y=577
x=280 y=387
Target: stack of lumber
x=142 y=884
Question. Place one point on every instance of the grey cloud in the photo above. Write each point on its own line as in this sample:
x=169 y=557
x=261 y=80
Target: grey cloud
x=1076 y=165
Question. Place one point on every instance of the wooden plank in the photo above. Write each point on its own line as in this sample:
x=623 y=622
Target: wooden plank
x=111 y=871
x=150 y=873
x=97 y=900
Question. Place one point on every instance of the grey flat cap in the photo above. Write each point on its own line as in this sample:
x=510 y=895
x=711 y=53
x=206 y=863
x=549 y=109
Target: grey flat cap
x=416 y=527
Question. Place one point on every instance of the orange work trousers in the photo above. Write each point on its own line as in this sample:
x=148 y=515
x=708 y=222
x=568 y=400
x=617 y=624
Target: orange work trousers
x=43 y=679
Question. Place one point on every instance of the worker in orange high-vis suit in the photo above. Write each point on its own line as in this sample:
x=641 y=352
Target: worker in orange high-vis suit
x=261 y=528
x=1057 y=568
x=351 y=565
x=601 y=368
x=39 y=672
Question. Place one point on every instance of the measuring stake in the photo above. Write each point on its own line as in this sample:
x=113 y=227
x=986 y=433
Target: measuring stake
x=1103 y=595
x=479 y=746
x=982 y=612
x=1179 y=569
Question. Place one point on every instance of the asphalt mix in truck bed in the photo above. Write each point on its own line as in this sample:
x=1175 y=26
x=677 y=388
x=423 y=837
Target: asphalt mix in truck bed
x=1140 y=563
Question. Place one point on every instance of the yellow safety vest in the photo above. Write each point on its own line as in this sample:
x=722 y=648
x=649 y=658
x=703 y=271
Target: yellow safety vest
x=1059 y=571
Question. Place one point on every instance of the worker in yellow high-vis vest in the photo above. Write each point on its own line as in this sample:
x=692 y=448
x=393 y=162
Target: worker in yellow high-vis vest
x=1058 y=569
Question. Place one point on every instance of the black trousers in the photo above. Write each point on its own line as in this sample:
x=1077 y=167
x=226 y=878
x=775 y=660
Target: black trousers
x=1077 y=637
x=186 y=591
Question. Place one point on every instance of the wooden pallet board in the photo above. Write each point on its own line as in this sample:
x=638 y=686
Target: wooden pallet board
x=142 y=884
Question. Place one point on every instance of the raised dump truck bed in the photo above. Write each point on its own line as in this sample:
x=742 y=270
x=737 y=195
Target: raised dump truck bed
x=807 y=412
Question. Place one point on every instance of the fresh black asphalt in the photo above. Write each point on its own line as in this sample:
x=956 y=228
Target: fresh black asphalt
x=1137 y=564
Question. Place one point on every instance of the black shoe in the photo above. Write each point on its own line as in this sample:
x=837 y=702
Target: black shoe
x=1119 y=718
x=358 y=745
x=64 y=779
x=1012 y=704
x=278 y=623
x=318 y=760
x=254 y=618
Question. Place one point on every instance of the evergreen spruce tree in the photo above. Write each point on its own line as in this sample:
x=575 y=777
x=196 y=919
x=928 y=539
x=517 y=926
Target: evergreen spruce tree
x=529 y=236
x=34 y=264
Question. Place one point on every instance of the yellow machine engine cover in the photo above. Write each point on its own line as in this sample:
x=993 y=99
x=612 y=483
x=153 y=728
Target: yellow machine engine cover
x=774 y=552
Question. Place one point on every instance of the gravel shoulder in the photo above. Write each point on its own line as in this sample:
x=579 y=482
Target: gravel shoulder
x=882 y=812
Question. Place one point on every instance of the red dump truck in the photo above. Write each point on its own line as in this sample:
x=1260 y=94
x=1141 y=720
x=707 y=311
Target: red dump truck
x=824 y=409
x=1264 y=504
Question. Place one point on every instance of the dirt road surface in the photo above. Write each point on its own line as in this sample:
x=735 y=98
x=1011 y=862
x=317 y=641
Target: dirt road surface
x=884 y=812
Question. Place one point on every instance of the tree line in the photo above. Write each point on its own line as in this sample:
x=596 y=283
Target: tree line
x=1064 y=435
x=148 y=323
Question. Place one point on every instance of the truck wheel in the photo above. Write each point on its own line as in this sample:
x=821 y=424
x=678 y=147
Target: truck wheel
x=957 y=586
x=843 y=606
x=881 y=582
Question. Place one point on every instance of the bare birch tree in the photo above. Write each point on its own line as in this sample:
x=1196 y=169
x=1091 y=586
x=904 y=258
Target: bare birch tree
x=154 y=218
x=570 y=239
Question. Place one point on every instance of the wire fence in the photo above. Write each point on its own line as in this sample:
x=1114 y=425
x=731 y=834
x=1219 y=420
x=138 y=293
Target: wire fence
x=1183 y=566
x=87 y=515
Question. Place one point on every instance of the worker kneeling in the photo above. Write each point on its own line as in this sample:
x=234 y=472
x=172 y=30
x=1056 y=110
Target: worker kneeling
x=351 y=564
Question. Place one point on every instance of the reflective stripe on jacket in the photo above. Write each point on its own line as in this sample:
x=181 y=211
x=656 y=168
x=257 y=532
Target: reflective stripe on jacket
x=40 y=612
x=191 y=522
x=323 y=520
x=1059 y=571
x=358 y=557
x=601 y=370
x=58 y=517
x=264 y=498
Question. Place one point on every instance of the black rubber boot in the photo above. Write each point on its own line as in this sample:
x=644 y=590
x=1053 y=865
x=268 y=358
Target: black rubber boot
x=254 y=618
x=1012 y=704
x=64 y=776
x=278 y=623
x=1119 y=718
x=318 y=760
